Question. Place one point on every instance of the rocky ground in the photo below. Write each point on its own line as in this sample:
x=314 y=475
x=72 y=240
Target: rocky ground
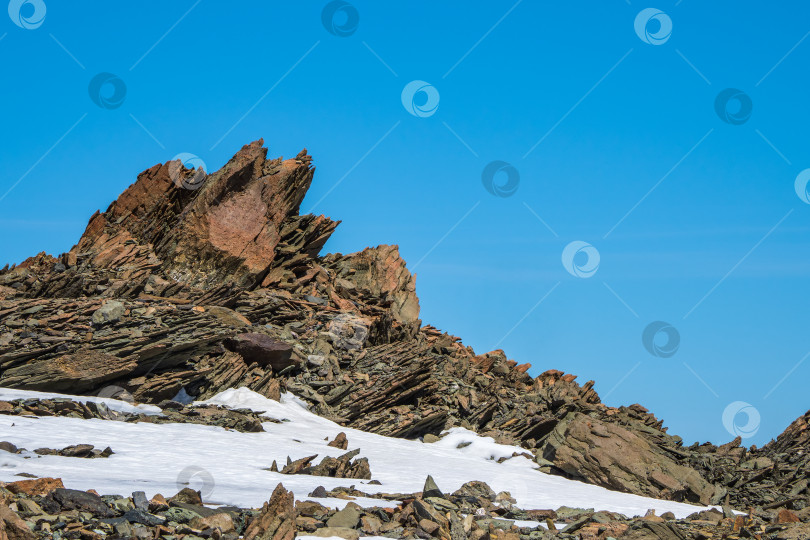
x=189 y=284
x=43 y=508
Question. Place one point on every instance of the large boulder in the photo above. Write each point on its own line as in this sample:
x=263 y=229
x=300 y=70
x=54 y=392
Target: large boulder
x=263 y=350
x=608 y=455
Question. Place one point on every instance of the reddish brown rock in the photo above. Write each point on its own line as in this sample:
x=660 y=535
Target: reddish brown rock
x=12 y=527
x=786 y=516
x=225 y=228
x=276 y=521
x=340 y=441
x=35 y=486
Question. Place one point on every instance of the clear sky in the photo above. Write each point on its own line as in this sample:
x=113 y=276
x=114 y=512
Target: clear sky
x=483 y=138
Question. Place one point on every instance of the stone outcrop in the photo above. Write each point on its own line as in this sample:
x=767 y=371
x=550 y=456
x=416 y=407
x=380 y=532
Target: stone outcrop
x=597 y=452
x=192 y=283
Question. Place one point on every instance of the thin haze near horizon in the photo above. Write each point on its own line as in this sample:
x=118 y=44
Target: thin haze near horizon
x=605 y=188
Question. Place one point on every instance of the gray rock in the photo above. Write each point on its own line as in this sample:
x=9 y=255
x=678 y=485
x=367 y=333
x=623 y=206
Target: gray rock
x=124 y=529
x=348 y=518
x=502 y=524
x=339 y=532
x=73 y=499
x=431 y=489
x=112 y=311
x=140 y=500
x=180 y=515
x=136 y=515
x=565 y=512
x=8 y=447
x=576 y=525
x=474 y=490
x=123 y=505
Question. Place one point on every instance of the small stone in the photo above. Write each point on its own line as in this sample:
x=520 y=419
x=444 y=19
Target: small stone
x=431 y=489
x=349 y=517
x=339 y=532
x=221 y=521
x=110 y=312
x=186 y=495
x=28 y=506
x=228 y=316
x=428 y=526
x=8 y=447
x=123 y=505
x=124 y=529
x=139 y=500
x=180 y=515
x=370 y=525
x=143 y=517
x=157 y=503
x=786 y=516
x=430 y=438
x=340 y=441
x=77 y=450
x=315 y=360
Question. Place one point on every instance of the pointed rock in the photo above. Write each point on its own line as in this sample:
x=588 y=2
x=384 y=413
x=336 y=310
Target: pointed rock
x=431 y=489
x=340 y=441
x=276 y=521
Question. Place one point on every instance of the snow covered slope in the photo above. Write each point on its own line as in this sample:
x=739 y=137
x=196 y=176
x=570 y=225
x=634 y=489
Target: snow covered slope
x=230 y=467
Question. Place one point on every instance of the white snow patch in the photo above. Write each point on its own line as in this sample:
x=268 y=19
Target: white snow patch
x=230 y=467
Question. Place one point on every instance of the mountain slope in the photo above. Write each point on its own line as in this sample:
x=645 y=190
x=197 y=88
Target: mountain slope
x=191 y=284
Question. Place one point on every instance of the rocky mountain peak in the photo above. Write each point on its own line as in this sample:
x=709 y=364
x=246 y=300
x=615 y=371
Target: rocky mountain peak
x=193 y=283
x=206 y=230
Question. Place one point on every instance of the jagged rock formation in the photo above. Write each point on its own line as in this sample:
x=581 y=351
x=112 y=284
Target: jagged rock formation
x=197 y=283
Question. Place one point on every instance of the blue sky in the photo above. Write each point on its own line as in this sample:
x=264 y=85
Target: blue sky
x=612 y=137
